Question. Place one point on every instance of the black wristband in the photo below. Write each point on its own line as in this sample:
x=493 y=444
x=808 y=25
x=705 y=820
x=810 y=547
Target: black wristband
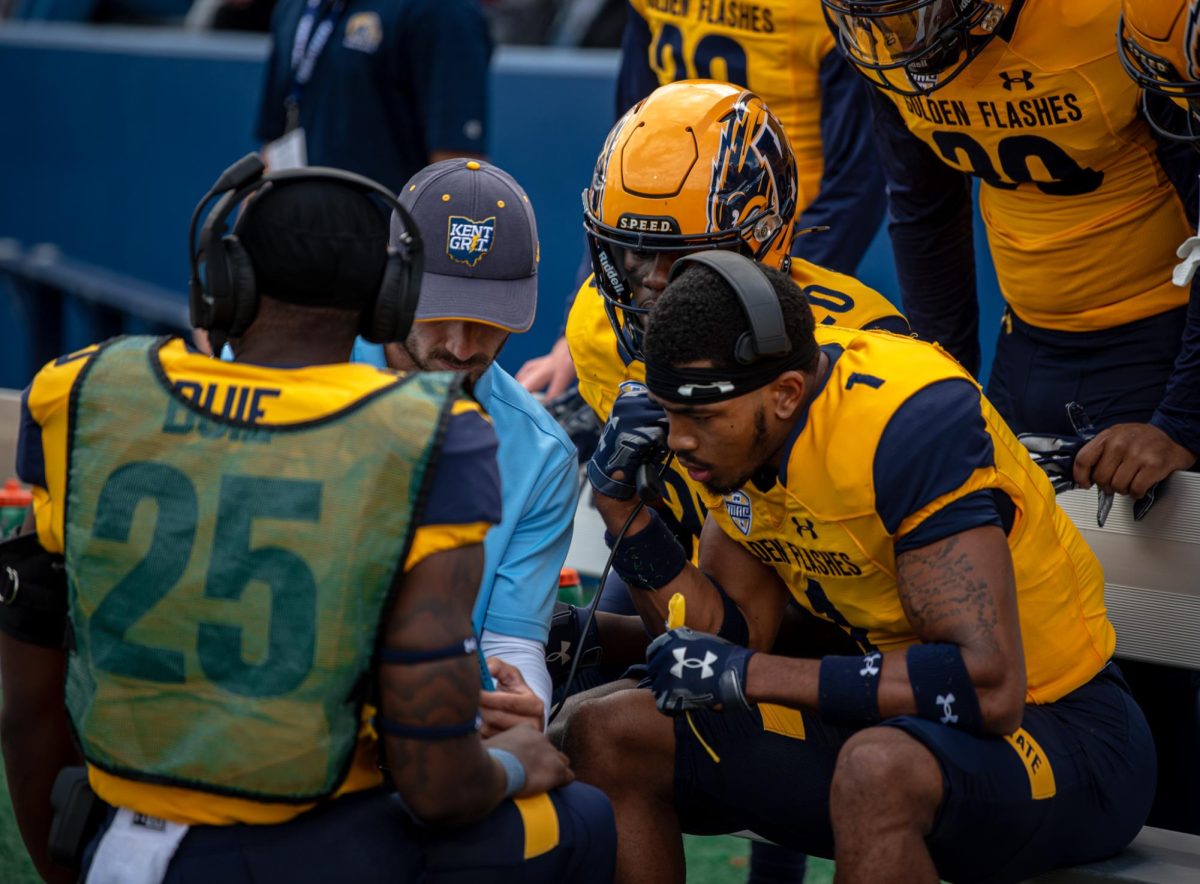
x=943 y=688
x=848 y=690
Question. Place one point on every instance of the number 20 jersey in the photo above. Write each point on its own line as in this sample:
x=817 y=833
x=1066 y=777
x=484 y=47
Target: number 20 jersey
x=1081 y=216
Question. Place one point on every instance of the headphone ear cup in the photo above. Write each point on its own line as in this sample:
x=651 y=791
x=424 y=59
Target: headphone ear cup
x=744 y=351
x=242 y=302
x=391 y=318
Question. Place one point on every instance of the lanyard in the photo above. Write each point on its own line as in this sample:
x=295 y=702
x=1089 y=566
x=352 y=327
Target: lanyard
x=311 y=38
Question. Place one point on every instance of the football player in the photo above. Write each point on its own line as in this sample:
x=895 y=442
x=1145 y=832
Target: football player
x=1084 y=206
x=262 y=600
x=698 y=165
x=695 y=166
x=980 y=732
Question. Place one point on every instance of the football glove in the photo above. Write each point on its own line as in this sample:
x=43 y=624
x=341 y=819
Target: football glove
x=636 y=434
x=695 y=670
x=567 y=640
x=1055 y=454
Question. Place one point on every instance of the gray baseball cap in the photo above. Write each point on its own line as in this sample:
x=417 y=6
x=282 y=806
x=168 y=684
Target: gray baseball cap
x=481 y=245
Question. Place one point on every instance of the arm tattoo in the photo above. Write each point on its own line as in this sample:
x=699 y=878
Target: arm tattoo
x=945 y=596
x=432 y=610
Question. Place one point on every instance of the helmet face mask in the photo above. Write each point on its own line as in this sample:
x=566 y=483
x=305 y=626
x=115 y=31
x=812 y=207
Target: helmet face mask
x=1158 y=43
x=697 y=165
x=913 y=46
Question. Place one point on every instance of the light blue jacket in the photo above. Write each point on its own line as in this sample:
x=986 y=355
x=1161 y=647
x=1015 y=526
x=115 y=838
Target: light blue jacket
x=539 y=491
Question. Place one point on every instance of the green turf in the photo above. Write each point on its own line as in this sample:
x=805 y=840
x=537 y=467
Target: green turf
x=725 y=860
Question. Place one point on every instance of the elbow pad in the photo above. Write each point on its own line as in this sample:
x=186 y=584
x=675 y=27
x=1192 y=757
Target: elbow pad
x=33 y=593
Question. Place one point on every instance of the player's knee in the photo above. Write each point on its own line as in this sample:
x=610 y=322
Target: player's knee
x=593 y=738
x=880 y=762
x=617 y=740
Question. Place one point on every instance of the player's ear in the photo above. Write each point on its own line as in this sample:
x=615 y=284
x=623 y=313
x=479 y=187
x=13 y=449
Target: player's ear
x=787 y=394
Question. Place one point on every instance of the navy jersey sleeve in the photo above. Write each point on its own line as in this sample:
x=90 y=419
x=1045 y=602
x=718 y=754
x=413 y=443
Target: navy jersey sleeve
x=447 y=46
x=929 y=221
x=465 y=486
x=929 y=448
x=277 y=72
x=635 y=79
x=31 y=461
x=852 y=198
x=1178 y=415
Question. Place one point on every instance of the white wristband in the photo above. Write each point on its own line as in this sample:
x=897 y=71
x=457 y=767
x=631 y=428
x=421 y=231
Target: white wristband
x=514 y=771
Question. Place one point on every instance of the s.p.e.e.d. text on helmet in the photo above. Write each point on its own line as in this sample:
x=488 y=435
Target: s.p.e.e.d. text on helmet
x=696 y=165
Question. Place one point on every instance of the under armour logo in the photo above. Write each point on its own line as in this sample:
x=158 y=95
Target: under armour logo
x=561 y=655
x=716 y=388
x=807 y=526
x=1026 y=80
x=945 y=702
x=871 y=664
x=7 y=598
x=686 y=662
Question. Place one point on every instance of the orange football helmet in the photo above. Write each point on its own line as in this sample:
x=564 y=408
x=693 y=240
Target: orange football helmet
x=1159 y=45
x=696 y=165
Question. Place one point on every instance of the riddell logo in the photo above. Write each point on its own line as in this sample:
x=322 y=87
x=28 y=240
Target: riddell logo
x=648 y=223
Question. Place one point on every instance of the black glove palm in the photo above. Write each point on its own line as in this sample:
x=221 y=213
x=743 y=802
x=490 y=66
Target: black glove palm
x=636 y=434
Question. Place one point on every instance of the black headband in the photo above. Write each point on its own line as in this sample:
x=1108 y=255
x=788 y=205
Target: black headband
x=703 y=385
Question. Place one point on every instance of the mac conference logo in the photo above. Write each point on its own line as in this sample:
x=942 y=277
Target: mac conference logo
x=467 y=241
x=738 y=507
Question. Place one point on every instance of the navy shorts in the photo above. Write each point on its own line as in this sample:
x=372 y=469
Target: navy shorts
x=1118 y=374
x=370 y=837
x=1074 y=784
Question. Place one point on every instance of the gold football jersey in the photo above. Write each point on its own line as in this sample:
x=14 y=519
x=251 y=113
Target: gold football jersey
x=772 y=47
x=1081 y=217
x=829 y=529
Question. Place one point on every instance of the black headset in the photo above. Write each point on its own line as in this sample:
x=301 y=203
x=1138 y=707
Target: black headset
x=768 y=334
x=225 y=300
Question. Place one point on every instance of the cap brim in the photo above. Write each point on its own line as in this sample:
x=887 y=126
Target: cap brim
x=507 y=303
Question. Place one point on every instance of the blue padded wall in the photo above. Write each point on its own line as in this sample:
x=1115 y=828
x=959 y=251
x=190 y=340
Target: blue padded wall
x=111 y=134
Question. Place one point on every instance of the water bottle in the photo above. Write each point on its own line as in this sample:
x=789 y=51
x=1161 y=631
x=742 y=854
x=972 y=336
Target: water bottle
x=570 y=589
x=14 y=501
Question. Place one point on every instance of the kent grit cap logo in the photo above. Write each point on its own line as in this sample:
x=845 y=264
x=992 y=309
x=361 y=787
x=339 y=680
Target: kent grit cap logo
x=738 y=507
x=467 y=241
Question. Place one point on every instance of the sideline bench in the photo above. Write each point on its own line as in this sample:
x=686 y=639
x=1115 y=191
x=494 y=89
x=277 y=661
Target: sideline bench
x=1152 y=587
